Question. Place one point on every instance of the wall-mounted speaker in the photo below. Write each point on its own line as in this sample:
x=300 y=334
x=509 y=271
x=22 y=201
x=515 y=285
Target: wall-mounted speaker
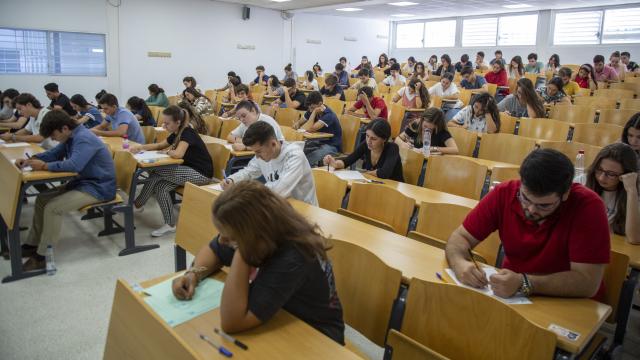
x=246 y=13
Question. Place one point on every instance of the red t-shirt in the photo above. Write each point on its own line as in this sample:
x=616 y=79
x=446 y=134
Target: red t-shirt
x=578 y=231
x=500 y=79
x=582 y=82
x=376 y=103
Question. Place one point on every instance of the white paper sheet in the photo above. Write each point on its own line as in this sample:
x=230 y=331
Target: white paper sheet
x=516 y=300
x=350 y=175
x=14 y=145
x=150 y=155
x=228 y=146
x=216 y=187
x=2 y=141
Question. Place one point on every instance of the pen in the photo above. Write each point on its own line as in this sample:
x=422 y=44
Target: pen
x=224 y=175
x=440 y=277
x=145 y=293
x=473 y=259
x=230 y=338
x=27 y=155
x=221 y=349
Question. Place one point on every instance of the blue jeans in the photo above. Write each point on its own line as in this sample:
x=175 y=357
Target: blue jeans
x=317 y=155
x=449 y=114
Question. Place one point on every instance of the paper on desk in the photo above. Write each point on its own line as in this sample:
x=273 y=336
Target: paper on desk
x=18 y=144
x=2 y=141
x=159 y=128
x=228 y=146
x=516 y=300
x=150 y=155
x=301 y=131
x=176 y=312
x=350 y=175
x=216 y=187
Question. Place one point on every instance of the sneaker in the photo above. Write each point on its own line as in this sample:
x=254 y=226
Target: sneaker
x=164 y=229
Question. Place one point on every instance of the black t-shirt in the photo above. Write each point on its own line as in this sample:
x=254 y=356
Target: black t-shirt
x=441 y=70
x=147 y=117
x=389 y=165
x=289 y=280
x=337 y=90
x=300 y=98
x=196 y=157
x=63 y=101
x=437 y=139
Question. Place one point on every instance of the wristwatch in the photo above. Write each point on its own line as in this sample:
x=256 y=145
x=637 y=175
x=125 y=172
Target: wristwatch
x=197 y=271
x=525 y=289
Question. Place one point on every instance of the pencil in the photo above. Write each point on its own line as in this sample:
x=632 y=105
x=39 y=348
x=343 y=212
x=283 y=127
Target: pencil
x=473 y=259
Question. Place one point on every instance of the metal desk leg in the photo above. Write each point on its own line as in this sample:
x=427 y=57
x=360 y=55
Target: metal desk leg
x=624 y=307
x=129 y=221
x=180 y=256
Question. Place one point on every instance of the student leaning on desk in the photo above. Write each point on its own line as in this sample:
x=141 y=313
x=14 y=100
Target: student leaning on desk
x=277 y=260
x=554 y=232
x=28 y=106
x=79 y=151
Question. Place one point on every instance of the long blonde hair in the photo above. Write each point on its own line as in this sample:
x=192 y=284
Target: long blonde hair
x=178 y=115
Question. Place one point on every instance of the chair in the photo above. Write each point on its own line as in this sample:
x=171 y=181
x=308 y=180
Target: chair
x=596 y=102
x=228 y=126
x=173 y=100
x=633 y=86
x=149 y=133
x=436 y=102
x=367 y=288
x=220 y=156
x=214 y=124
x=502 y=174
x=455 y=175
x=350 y=126
x=379 y=76
x=395 y=118
x=336 y=105
x=545 y=129
x=210 y=94
x=630 y=103
x=381 y=206
x=492 y=89
x=508 y=123
x=352 y=81
x=505 y=148
x=583 y=92
x=573 y=113
x=290 y=134
x=434 y=78
x=532 y=77
x=597 y=134
x=330 y=189
x=412 y=162
x=571 y=149
x=155 y=112
x=405 y=348
x=350 y=95
x=616 y=116
x=465 y=140
x=465 y=96
x=461 y=323
x=287 y=116
x=383 y=88
x=614 y=93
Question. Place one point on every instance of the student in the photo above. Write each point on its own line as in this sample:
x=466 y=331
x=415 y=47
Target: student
x=472 y=82
x=445 y=66
x=533 y=66
x=274 y=88
x=586 y=77
x=141 y=111
x=98 y=96
x=569 y=87
x=289 y=73
x=383 y=62
x=380 y=157
x=323 y=120
x=524 y=103
x=29 y=107
x=409 y=67
x=374 y=107
x=364 y=60
x=432 y=64
x=343 y=76
x=190 y=82
x=617 y=65
x=230 y=75
x=183 y=143
x=88 y=115
x=447 y=90
x=310 y=82
x=554 y=64
x=441 y=140
x=369 y=68
x=292 y=98
x=632 y=66
x=516 y=69
x=480 y=64
x=387 y=71
x=545 y=253
x=631 y=134
x=157 y=97
x=317 y=70
x=15 y=121
x=394 y=78
x=481 y=116
x=7 y=112
x=282 y=164
x=463 y=63
x=262 y=78
x=604 y=72
x=200 y=102
x=365 y=80
x=195 y=120
x=498 y=57
x=259 y=229
x=121 y=121
x=248 y=113
x=614 y=176
x=413 y=96
x=81 y=152
x=59 y=100
x=345 y=64
x=420 y=72
x=553 y=93
x=331 y=89
x=241 y=92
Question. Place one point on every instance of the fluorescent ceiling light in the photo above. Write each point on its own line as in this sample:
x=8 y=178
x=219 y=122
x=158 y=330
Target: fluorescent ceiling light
x=403 y=15
x=349 y=9
x=280 y=0
x=516 y=6
x=97 y=50
x=403 y=3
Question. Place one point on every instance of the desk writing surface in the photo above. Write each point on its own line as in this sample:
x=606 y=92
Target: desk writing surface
x=17 y=153
x=210 y=140
x=620 y=244
x=490 y=164
x=115 y=142
x=316 y=135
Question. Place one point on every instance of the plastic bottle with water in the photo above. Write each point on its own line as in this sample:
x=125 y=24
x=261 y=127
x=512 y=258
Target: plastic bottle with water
x=51 y=265
x=426 y=141
x=125 y=142
x=580 y=176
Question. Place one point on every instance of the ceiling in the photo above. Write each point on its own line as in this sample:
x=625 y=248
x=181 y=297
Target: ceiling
x=380 y=9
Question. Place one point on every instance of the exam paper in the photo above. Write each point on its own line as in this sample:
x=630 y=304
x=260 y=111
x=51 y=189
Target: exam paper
x=176 y=312
x=516 y=300
x=149 y=155
x=14 y=145
x=350 y=175
x=216 y=187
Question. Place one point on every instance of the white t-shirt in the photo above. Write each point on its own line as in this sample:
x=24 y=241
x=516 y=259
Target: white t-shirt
x=609 y=199
x=390 y=81
x=474 y=123
x=437 y=90
x=405 y=92
x=33 y=126
x=314 y=84
x=240 y=130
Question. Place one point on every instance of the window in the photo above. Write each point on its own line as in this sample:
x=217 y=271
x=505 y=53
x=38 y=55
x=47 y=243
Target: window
x=51 y=52
x=621 y=26
x=440 y=33
x=409 y=35
x=517 y=30
x=577 y=28
x=479 y=32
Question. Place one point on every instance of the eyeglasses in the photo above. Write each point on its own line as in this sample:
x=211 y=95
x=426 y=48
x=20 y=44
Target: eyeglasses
x=542 y=207
x=609 y=174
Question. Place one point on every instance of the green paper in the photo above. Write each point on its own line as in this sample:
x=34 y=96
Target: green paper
x=175 y=312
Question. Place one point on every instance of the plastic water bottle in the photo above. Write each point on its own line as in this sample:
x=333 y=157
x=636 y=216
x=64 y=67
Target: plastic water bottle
x=51 y=265
x=580 y=176
x=125 y=142
x=426 y=141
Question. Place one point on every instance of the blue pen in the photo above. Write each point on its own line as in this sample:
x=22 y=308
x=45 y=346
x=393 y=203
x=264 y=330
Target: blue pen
x=222 y=350
x=440 y=277
x=224 y=174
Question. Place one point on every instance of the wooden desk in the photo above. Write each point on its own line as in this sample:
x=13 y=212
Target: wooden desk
x=316 y=135
x=238 y=159
x=137 y=332
x=490 y=164
x=620 y=244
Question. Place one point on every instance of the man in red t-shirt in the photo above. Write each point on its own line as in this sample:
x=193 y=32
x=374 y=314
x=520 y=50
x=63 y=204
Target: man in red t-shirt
x=374 y=107
x=555 y=234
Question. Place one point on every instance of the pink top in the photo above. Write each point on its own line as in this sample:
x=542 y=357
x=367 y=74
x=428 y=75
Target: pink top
x=607 y=73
